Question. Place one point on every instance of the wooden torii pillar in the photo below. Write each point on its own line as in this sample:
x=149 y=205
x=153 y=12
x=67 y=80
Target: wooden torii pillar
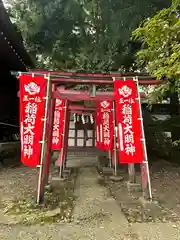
x=62 y=154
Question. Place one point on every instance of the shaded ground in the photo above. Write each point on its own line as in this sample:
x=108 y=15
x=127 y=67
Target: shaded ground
x=17 y=182
x=166 y=187
x=165 y=181
x=18 y=198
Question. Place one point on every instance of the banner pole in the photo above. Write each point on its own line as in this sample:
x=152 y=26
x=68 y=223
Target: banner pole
x=131 y=172
x=63 y=140
x=115 y=153
x=144 y=146
x=40 y=191
x=110 y=163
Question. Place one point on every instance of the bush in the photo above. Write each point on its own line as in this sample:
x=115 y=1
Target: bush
x=159 y=145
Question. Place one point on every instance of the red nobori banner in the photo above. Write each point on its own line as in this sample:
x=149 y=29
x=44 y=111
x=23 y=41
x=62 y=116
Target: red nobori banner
x=32 y=104
x=58 y=125
x=104 y=125
x=130 y=144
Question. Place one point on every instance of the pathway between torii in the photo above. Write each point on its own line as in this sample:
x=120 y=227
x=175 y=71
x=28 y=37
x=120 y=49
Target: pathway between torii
x=96 y=211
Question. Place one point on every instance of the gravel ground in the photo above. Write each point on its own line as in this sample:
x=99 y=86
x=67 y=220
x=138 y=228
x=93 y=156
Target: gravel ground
x=165 y=179
x=17 y=182
x=97 y=215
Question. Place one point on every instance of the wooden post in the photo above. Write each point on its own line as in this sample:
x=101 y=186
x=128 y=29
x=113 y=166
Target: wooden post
x=61 y=155
x=66 y=139
x=42 y=166
x=146 y=184
x=49 y=134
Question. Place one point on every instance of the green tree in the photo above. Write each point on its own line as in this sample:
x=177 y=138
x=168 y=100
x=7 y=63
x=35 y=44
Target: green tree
x=160 y=52
x=84 y=35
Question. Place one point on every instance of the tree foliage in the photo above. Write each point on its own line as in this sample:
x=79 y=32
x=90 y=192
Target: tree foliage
x=83 y=35
x=160 y=52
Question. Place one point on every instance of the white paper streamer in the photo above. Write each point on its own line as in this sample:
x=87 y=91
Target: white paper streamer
x=83 y=120
x=74 y=115
x=91 y=119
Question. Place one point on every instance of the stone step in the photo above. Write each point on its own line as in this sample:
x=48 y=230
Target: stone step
x=80 y=158
x=82 y=153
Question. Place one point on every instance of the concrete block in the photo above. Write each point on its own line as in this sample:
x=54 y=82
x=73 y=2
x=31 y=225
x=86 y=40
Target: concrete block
x=57 y=182
x=134 y=187
x=57 y=179
x=148 y=203
x=107 y=171
x=116 y=178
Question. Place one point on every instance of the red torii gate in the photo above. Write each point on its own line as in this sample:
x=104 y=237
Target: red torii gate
x=73 y=95
x=65 y=79
x=144 y=79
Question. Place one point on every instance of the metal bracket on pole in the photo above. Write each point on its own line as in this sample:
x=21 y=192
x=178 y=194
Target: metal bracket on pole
x=115 y=152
